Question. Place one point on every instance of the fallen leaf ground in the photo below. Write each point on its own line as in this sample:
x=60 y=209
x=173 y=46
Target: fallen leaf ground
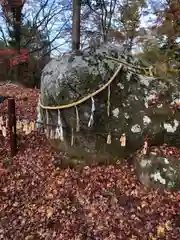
x=102 y=202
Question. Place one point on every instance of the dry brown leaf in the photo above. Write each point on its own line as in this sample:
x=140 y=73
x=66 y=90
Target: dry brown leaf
x=49 y=212
x=160 y=231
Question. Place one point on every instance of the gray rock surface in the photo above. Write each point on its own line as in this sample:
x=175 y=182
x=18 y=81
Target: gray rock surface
x=159 y=172
x=139 y=105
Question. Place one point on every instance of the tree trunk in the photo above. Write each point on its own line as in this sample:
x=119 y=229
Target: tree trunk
x=76 y=25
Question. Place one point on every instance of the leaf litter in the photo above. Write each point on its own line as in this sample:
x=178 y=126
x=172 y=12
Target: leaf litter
x=38 y=201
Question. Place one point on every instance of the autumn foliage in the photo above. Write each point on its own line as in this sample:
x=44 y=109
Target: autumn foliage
x=14 y=58
x=38 y=201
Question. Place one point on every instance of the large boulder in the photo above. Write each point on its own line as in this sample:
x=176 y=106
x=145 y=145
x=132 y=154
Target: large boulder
x=139 y=105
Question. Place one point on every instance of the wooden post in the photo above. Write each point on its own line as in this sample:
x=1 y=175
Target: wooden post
x=76 y=25
x=12 y=126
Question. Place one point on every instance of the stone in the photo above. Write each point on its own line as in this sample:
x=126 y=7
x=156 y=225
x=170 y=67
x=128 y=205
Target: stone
x=138 y=105
x=158 y=172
